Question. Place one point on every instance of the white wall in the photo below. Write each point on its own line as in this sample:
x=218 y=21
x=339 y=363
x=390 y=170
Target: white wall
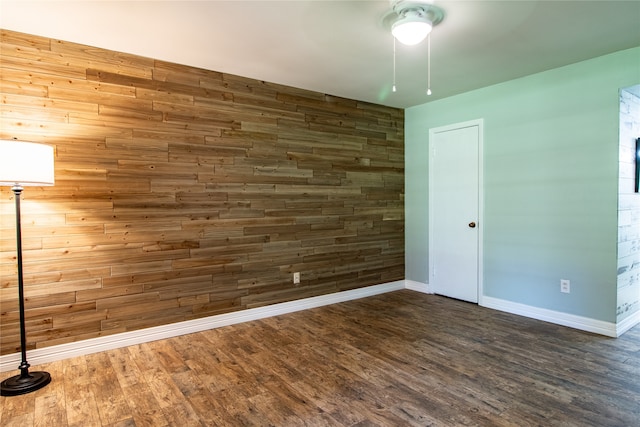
x=628 y=209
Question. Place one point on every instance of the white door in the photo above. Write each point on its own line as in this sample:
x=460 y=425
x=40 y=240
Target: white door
x=455 y=177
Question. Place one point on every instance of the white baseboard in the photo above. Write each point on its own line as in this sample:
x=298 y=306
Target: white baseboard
x=418 y=286
x=577 y=322
x=628 y=323
x=63 y=351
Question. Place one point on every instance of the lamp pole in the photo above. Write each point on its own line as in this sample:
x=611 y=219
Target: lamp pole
x=26 y=381
x=22 y=164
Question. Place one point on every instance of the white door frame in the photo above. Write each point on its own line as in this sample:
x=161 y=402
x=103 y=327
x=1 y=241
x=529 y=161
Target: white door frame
x=432 y=132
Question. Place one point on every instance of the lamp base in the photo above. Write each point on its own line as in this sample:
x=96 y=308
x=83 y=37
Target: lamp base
x=23 y=384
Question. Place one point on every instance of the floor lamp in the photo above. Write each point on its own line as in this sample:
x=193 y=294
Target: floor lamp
x=24 y=164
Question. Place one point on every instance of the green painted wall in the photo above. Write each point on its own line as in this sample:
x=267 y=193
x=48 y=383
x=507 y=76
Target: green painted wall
x=551 y=183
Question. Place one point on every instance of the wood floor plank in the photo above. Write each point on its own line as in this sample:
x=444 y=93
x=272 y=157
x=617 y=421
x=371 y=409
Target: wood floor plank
x=17 y=412
x=50 y=403
x=81 y=405
x=144 y=406
x=124 y=367
x=111 y=401
x=398 y=359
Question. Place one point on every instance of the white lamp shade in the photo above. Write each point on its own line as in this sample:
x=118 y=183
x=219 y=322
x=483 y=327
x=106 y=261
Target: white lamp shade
x=411 y=29
x=26 y=163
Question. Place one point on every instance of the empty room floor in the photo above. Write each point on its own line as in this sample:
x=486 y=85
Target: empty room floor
x=401 y=358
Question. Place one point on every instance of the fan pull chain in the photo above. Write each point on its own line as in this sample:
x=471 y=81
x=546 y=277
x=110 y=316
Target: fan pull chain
x=393 y=88
x=429 y=64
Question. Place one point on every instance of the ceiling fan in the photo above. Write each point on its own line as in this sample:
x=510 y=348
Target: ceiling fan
x=410 y=22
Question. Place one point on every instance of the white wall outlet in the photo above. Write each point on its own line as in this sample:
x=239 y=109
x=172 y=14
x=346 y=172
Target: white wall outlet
x=565 y=286
x=296 y=278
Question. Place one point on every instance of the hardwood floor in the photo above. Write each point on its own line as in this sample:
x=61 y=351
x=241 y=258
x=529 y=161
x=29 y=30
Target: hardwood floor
x=401 y=358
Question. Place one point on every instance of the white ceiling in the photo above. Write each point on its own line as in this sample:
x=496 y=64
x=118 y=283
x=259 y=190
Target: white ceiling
x=341 y=47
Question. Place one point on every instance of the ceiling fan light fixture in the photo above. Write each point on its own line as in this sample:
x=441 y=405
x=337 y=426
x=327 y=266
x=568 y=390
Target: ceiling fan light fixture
x=412 y=28
x=410 y=22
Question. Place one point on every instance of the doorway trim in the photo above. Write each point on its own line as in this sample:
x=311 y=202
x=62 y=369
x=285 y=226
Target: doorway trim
x=432 y=131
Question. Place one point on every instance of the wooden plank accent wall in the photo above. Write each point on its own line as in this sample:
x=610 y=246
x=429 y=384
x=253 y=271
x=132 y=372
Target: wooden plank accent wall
x=182 y=193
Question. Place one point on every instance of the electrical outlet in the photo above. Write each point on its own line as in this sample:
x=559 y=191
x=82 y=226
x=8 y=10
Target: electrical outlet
x=296 y=278
x=565 y=286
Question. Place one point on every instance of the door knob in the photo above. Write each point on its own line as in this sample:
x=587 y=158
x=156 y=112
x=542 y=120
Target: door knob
x=472 y=225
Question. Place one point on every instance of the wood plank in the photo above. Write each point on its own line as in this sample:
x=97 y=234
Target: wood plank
x=192 y=188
